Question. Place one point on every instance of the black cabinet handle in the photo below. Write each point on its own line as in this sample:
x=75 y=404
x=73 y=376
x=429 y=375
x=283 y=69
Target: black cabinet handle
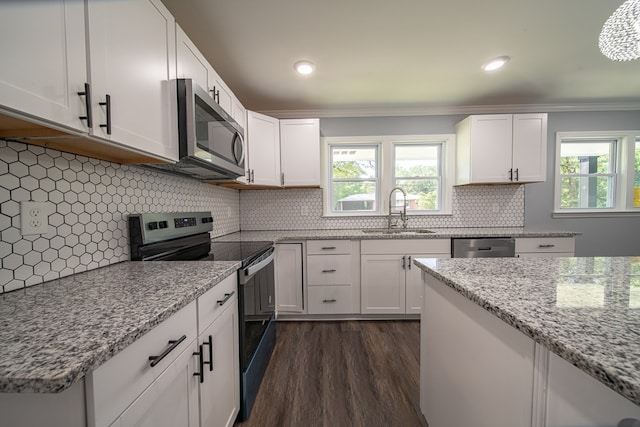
x=328 y=248
x=200 y=363
x=282 y=179
x=226 y=298
x=210 y=344
x=510 y=174
x=107 y=104
x=87 y=104
x=172 y=345
x=403 y=263
x=487 y=248
x=517 y=175
x=326 y=301
x=546 y=246
x=215 y=94
x=329 y=271
x=409 y=262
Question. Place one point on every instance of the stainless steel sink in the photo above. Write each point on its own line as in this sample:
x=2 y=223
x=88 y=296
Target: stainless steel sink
x=397 y=231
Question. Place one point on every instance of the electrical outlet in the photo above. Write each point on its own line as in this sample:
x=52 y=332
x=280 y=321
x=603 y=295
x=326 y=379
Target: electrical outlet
x=34 y=218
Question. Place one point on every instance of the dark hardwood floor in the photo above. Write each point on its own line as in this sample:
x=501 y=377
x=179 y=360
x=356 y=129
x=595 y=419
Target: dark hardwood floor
x=334 y=374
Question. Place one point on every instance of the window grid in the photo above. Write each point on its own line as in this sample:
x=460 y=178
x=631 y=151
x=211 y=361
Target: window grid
x=421 y=195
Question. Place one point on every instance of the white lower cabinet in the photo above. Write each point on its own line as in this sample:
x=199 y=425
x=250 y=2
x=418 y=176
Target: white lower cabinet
x=333 y=276
x=390 y=283
x=127 y=388
x=288 y=276
x=218 y=355
x=545 y=247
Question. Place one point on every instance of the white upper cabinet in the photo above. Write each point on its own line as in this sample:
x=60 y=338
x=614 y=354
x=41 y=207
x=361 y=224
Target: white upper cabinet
x=300 y=152
x=263 y=146
x=132 y=63
x=190 y=62
x=501 y=148
x=220 y=92
x=42 y=45
x=239 y=114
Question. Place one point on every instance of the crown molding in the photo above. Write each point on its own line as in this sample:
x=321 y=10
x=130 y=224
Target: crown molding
x=450 y=110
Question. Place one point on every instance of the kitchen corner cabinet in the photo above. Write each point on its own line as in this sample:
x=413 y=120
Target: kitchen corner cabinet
x=191 y=64
x=391 y=284
x=44 y=60
x=545 y=247
x=263 y=147
x=501 y=149
x=132 y=64
x=288 y=276
x=300 y=152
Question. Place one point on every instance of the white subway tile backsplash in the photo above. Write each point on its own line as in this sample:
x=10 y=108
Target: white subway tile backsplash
x=88 y=201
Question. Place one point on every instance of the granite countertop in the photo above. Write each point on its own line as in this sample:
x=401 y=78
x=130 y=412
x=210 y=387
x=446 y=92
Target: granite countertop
x=54 y=333
x=585 y=310
x=359 y=234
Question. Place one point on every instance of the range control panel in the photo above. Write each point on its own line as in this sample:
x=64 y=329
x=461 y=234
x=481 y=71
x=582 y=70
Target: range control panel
x=154 y=227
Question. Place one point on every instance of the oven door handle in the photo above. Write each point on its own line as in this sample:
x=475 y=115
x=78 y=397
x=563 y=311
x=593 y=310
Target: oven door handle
x=254 y=268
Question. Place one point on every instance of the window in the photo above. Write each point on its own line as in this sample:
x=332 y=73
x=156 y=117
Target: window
x=360 y=173
x=597 y=172
x=354 y=178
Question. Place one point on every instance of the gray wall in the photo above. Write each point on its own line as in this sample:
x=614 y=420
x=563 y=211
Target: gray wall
x=600 y=236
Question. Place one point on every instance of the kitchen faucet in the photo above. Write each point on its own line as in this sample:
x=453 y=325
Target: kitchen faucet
x=403 y=214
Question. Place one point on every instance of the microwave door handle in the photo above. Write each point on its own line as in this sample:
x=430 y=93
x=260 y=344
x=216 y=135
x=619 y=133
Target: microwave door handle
x=237 y=145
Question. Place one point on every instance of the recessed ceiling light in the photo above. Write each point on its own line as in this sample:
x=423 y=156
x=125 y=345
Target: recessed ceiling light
x=495 y=63
x=304 y=67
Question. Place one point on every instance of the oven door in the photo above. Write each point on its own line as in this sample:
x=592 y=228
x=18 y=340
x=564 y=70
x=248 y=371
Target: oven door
x=257 y=304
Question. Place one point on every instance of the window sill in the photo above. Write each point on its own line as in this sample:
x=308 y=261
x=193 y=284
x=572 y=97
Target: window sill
x=594 y=214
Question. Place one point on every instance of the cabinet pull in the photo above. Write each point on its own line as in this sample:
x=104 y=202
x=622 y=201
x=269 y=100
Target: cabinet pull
x=87 y=104
x=201 y=362
x=215 y=94
x=546 y=246
x=404 y=267
x=409 y=262
x=107 y=104
x=210 y=344
x=510 y=174
x=328 y=301
x=252 y=176
x=172 y=345
x=517 y=175
x=282 y=179
x=328 y=248
x=226 y=298
x=329 y=271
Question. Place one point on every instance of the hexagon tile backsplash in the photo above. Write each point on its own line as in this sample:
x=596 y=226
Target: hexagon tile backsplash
x=88 y=201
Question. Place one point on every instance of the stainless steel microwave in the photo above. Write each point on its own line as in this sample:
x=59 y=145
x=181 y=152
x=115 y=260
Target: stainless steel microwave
x=210 y=141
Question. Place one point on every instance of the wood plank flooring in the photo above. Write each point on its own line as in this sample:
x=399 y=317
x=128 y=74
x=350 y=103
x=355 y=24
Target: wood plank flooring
x=334 y=374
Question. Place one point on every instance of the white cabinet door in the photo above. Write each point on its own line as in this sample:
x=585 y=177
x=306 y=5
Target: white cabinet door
x=171 y=400
x=414 y=284
x=132 y=45
x=221 y=92
x=220 y=389
x=576 y=399
x=288 y=275
x=263 y=144
x=530 y=147
x=42 y=45
x=491 y=144
x=300 y=152
x=382 y=285
x=239 y=114
x=190 y=62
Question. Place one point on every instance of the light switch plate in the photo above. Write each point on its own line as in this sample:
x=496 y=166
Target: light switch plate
x=34 y=218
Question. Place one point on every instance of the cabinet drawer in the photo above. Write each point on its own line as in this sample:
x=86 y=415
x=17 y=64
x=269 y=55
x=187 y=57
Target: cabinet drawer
x=121 y=379
x=209 y=304
x=317 y=247
x=550 y=244
x=330 y=300
x=406 y=246
x=329 y=269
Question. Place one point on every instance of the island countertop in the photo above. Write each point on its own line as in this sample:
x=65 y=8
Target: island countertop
x=585 y=310
x=54 y=333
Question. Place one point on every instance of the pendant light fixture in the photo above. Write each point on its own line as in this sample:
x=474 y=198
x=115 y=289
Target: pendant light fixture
x=620 y=36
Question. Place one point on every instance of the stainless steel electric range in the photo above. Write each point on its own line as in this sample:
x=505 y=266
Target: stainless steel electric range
x=184 y=236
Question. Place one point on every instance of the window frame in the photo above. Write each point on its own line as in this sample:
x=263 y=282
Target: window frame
x=624 y=173
x=386 y=163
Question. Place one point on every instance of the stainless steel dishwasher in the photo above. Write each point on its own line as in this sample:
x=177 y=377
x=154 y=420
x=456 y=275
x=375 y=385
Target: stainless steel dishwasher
x=483 y=248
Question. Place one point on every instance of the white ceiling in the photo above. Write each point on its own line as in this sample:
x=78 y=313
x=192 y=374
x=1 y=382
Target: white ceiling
x=382 y=57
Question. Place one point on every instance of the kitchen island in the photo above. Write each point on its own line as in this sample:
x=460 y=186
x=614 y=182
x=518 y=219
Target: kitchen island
x=530 y=342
